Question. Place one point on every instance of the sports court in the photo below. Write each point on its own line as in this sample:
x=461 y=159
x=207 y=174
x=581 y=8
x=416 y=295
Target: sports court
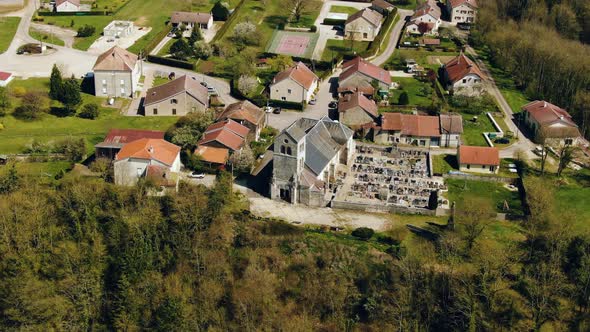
x=294 y=43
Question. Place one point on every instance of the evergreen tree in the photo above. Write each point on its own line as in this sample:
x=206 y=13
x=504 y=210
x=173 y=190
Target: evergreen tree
x=404 y=99
x=180 y=49
x=219 y=12
x=55 y=84
x=195 y=36
x=71 y=94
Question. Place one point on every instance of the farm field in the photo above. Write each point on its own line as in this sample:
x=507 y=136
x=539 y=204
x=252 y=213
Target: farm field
x=8 y=27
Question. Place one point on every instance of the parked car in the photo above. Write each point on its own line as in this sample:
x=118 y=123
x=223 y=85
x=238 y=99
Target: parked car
x=333 y=104
x=196 y=175
x=211 y=90
x=277 y=110
x=204 y=84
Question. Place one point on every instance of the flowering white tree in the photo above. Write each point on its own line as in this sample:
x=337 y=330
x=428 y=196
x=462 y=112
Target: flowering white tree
x=247 y=84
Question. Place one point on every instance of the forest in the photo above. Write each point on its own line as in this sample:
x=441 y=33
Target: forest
x=81 y=254
x=542 y=44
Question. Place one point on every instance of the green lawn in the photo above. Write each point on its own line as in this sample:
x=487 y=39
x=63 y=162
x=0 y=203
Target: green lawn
x=17 y=134
x=473 y=131
x=343 y=10
x=413 y=87
x=495 y=192
x=46 y=37
x=443 y=164
x=81 y=43
x=405 y=4
x=309 y=15
x=166 y=49
x=336 y=46
x=573 y=196
x=421 y=56
x=8 y=27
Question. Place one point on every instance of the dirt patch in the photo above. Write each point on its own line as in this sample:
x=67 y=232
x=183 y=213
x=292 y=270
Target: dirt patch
x=434 y=59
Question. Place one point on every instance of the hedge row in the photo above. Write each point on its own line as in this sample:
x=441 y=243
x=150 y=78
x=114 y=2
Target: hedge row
x=376 y=43
x=232 y=17
x=171 y=62
x=287 y=104
x=333 y=21
x=91 y=13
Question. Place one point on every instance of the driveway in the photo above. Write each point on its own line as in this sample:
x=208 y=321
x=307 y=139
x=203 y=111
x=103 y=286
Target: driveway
x=103 y=43
x=394 y=37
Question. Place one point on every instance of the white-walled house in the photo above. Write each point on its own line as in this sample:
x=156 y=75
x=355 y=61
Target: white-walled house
x=116 y=73
x=478 y=159
x=189 y=20
x=155 y=159
x=296 y=84
x=426 y=19
x=550 y=123
x=463 y=76
x=67 y=6
x=462 y=11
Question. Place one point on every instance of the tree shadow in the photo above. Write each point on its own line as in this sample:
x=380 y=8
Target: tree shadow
x=275 y=20
x=60 y=112
x=452 y=161
x=87 y=85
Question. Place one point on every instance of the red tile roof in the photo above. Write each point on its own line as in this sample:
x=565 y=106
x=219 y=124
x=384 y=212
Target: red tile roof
x=457 y=3
x=411 y=125
x=212 y=154
x=299 y=73
x=4 y=75
x=361 y=65
x=478 y=155
x=430 y=41
x=120 y=137
x=460 y=67
x=367 y=90
x=429 y=7
x=117 y=59
x=150 y=149
x=347 y=102
x=546 y=113
x=243 y=110
x=179 y=85
x=228 y=133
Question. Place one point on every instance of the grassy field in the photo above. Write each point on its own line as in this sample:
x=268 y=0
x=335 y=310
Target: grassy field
x=309 y=15
x=81 y=43
x=8 y=27
x=443 y=164
x=472 y=131
x=413 y=87
x=572 y=197
x=421 y=57
x=46 y=37
x=343 y=9
x=17 y=134
x=495 y=192
x=336 y=46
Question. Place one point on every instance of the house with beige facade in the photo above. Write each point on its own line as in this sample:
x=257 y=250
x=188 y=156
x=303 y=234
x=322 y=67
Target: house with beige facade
x=357 y=111
x=462 y=11
x=189 y=20
x=550 y=124
x=478 y=159
x=358 y=74
x=116 y=73
x=178 y=97
x=62 y=6
x=246 y=114
x=296 y=84
x=363 y=25
x=154 y=159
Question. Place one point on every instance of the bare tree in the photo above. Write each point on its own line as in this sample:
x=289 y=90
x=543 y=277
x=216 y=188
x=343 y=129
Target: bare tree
x=566 y=155
x=298 y=7
x=474 y=214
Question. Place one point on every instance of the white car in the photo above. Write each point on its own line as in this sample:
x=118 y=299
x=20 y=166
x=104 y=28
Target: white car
x=196 y=175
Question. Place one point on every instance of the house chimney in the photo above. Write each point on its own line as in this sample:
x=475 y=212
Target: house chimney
x=544 y=104
x=151 y=149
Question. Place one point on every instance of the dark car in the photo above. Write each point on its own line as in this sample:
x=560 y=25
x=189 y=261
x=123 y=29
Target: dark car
x=464 y=26
x=277 y=110
x=333 y=104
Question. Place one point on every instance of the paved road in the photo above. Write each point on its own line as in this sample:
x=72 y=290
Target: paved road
x=394 y=37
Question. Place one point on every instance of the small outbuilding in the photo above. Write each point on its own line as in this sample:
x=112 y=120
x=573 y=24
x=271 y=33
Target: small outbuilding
x=478 y=159
x=118 y=29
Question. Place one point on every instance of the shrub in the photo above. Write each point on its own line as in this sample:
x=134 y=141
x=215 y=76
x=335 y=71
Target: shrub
x=89 y=111
x=18 y=91
x=313 y=28
x=363 y=233
x=404 y=99
x=86 y=31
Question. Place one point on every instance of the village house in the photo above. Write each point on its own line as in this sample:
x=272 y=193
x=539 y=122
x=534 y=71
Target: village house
x=5 y=78
x=246 y=114
x=462 y=11
x=177 y=97
x=116 y=73
x=408 y=129
x=478 y=159
x=116 y=139
x=550 y=123
x=67 y=6
x=150 y=158
x=118 y=29
x=305 y=160
x=360 y=75
x=226 y=134
x=189 y=20
x=296 y=84
x=357 y=111
x=426 y=19
x=451 y=129
x=363 y=25
x=383 y=7
x=212 y=156
x=463 y=76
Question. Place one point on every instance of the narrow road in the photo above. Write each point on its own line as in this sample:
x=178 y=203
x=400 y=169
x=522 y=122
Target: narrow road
x=394 y=37
x=523 y=144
